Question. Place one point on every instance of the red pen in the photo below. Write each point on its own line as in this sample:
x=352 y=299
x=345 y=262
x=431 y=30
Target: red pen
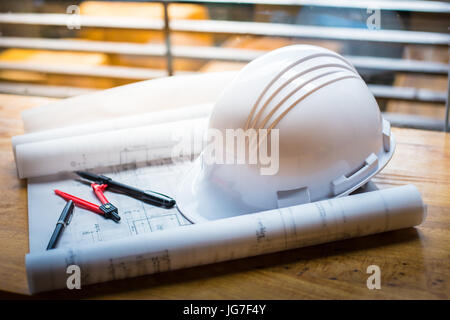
x=106 y=209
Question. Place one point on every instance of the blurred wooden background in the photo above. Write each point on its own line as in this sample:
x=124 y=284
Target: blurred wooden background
x=30 y=70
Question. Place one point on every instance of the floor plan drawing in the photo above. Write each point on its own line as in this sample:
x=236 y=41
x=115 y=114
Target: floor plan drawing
x=87 y=227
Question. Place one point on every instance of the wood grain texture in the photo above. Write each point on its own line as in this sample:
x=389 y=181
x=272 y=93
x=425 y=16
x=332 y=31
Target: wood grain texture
x=414 y=262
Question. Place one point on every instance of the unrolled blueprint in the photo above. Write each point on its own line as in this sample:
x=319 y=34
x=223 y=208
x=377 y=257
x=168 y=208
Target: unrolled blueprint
x=88 y=228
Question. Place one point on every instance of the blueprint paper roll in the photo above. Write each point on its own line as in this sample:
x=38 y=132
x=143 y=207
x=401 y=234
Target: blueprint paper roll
x=132 y=99
x=145 y=119
x=231 y=238
x=103 y=149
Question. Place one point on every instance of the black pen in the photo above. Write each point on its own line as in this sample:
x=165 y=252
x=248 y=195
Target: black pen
x=63 y=221
x=151 y=197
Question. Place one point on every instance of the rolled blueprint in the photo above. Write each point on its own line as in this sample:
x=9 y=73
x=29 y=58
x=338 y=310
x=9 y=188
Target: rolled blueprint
x=132 y=99
x=103 y=149
x=231 y=238
x=145 y=119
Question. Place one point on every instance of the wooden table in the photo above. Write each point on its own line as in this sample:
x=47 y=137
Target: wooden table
x=414 y=262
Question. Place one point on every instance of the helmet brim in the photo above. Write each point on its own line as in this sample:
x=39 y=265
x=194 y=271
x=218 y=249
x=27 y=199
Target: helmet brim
x=200 y=202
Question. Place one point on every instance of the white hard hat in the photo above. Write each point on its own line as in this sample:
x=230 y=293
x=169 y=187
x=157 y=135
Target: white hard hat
x=332 y=137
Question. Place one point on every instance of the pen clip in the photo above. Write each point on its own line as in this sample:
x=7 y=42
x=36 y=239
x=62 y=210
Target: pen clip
x=70 y=219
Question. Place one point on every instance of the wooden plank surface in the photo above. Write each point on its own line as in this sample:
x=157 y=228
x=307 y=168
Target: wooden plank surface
x=415 y=262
